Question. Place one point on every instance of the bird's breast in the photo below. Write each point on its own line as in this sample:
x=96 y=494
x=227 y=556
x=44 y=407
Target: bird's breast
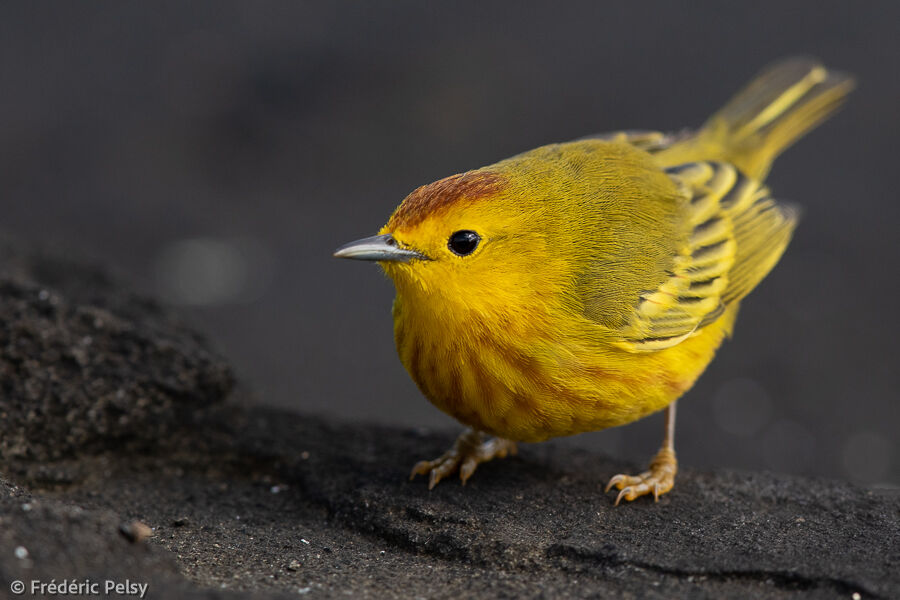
x=530 y=384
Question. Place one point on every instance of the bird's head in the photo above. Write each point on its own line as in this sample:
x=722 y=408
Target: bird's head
x=474 y=241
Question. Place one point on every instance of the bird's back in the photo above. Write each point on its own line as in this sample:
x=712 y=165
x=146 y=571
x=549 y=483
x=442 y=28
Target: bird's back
x=730 y=232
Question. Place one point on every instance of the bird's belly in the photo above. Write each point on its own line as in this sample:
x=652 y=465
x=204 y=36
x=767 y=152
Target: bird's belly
x=534 y=392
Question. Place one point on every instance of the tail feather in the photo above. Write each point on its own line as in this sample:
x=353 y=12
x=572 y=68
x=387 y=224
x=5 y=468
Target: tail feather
x=772 y=112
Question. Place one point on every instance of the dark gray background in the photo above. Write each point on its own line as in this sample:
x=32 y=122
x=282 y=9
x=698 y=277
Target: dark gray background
x=216 y=153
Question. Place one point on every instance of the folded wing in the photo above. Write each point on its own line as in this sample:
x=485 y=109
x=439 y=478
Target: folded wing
x=737 y=234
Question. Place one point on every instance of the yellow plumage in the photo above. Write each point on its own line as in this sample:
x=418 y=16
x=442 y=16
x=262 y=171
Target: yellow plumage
x=584 y=285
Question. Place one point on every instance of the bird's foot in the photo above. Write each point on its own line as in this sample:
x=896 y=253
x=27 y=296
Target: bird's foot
x=465 y=455
x=658 y=480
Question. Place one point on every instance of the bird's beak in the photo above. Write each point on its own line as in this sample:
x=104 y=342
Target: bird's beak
x=378 y=247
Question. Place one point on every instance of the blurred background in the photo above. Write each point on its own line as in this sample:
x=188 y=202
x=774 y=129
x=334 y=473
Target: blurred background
x=216 y=153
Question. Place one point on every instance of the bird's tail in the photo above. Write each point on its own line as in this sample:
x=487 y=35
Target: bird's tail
x=773 y=111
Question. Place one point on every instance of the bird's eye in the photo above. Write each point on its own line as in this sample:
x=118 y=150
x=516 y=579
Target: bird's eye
x=463 y=242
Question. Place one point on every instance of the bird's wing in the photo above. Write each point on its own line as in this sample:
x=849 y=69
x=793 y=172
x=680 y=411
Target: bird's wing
x=737 y=233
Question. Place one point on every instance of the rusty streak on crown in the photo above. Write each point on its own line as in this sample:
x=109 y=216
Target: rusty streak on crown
x=434 y=197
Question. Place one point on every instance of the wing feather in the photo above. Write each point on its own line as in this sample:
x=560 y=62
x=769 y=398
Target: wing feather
x=737 y=233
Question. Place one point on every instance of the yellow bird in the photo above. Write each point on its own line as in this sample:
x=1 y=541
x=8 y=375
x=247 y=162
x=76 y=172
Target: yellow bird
x=584 y=285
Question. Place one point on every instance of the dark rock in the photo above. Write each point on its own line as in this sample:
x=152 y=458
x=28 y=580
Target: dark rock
x=86 y=365
x=247 y=501
x=537 y=525
x=545 y=512
x=46 y=536
x=59 y=541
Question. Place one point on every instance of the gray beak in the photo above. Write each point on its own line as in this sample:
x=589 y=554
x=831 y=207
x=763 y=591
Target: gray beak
x=378 y=247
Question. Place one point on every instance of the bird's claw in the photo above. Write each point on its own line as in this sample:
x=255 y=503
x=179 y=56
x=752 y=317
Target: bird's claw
x=436 y=469
x=466 y=454
x=658 y=480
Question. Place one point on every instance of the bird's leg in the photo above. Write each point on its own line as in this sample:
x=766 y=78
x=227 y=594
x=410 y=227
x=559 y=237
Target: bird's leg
x=467 y=453
x=660 y=478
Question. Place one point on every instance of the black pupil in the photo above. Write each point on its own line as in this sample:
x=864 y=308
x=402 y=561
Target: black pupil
x=464 y=242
